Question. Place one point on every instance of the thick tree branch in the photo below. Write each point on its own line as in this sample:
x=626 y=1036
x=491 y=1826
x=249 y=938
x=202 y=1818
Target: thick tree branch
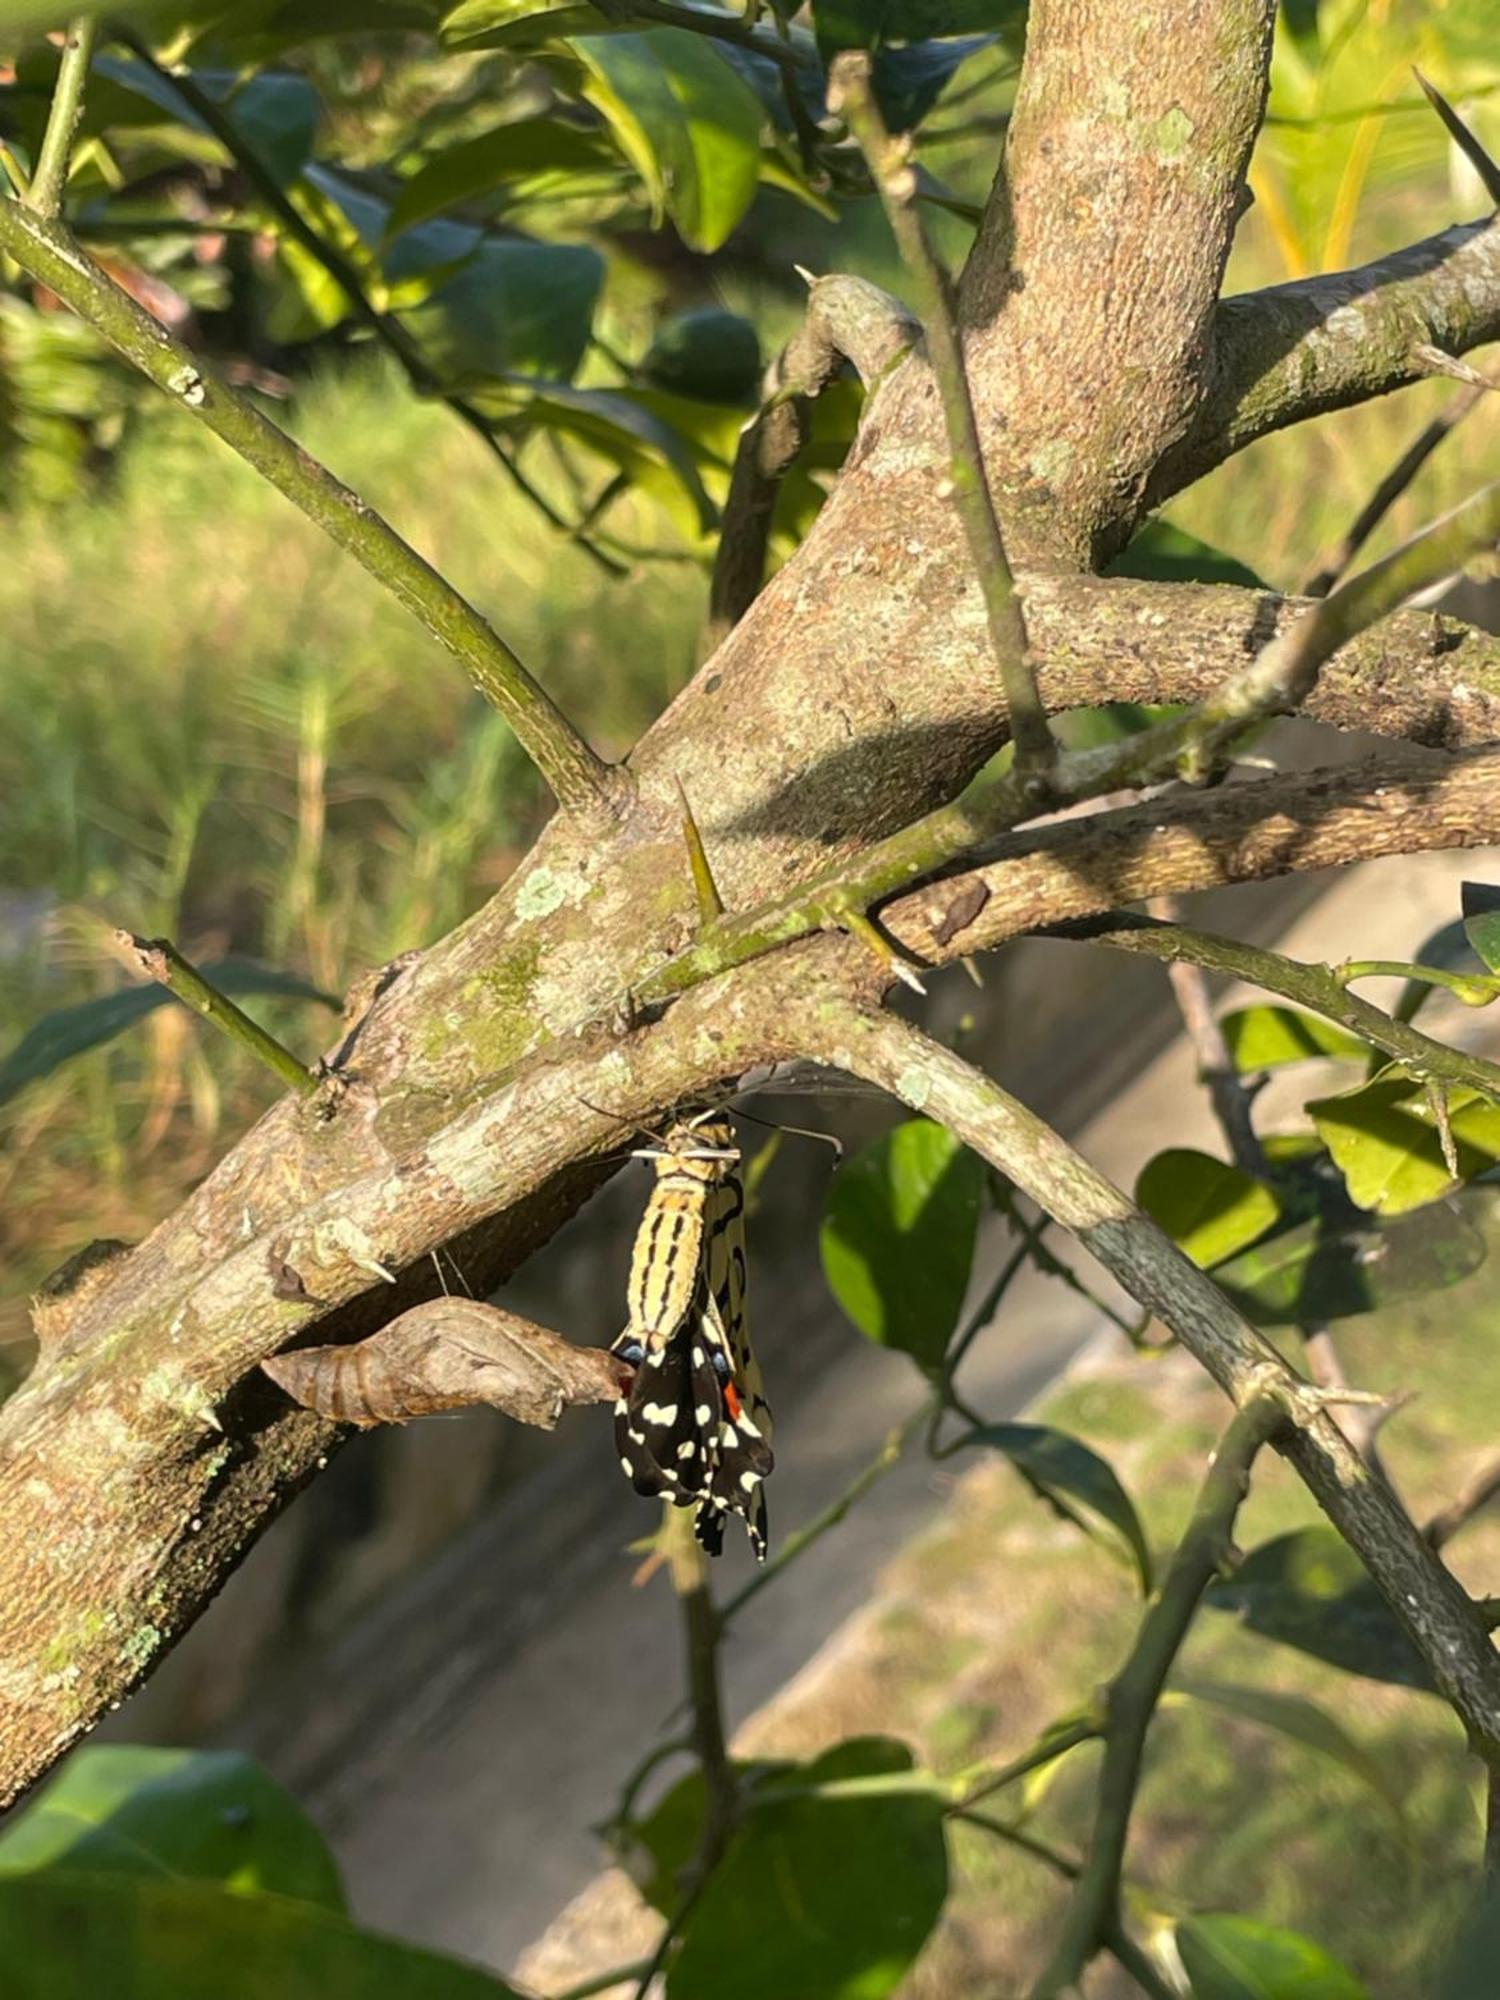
x=578 y=778
x=1298 y=350
x=848 y=319
x=1443 y=1622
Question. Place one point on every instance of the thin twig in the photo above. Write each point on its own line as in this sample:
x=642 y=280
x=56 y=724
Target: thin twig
x=1390 y=489
x=1441 y=1618
x=386 y=327
x=1216 y=1071
x=1132 y=1696
x=701 y=1630
x=851 y=92
x=1475 y=1494
x=1318 y=987
x=53 y=161
x=579 y=779
x=162 y=961
x=1085 y=1729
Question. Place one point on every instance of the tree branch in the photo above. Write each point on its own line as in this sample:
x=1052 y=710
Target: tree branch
x=1093 y=1911
x=1443 y=1622
x=45 y=193
x=1298 y=350
x=159 y=959
x=578 y=778
x=852 y=93
x=385 y=326
x=847 y=319
x=1313 y=986
x=1402 y=803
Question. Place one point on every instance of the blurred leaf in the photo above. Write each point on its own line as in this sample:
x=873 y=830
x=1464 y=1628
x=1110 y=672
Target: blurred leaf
x=1163 y=553
x=1319 y=1271
x=875 y=24
x=686 y=120
x=898 y=1238
x=710 y=354
x=833 y=1897
x=513 y=309
x=1301 y=18
x=497 y=24
x=1384 y=1140
x=1481 y=908
x=1469 y=1973
x=909 y=81
x=1269 y=1037
x=1233 y=1958
x=621 y=428
x=1299 y=1720
x=209 y=1814
x=519 y=152
x=1110 y=722
x=80 y=1936
x=1076 y=1481
x=1208 y=1208
x=69 y=1031
x=275 y=112
x=1308 y=1589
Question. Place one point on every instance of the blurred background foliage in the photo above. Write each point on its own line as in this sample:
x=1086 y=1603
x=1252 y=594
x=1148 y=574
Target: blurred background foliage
x=211 y=726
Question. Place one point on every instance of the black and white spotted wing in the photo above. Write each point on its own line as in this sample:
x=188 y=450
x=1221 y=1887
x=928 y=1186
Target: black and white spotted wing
x=694 y=1425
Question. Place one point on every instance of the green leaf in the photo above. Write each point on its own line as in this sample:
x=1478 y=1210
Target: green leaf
x=212 y=1815
x=909 y=81
x=1301 y=18
x=1321 y=1270
x=833 y=1897
x=898 y=1238
x=1209 y=1209
x=709 y=354
x=1271 y=1037
x=1384 y=1140
x=687 y=121
x=1481 y=908
x=512 y=309
x=1309 y=1590
x=1162 y=553
x=1299 y=1720
x=532 y=152
x=1234 y=1958
x=621 y=427
x=71 y=1031
x=275 y=112
x=499 y=24
x=68 y=1935
x=1077 y=1482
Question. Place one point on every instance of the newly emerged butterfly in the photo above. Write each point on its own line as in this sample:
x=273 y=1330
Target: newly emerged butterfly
x=694 y=1425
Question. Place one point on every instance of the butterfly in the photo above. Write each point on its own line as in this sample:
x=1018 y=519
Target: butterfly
x=694 y=1425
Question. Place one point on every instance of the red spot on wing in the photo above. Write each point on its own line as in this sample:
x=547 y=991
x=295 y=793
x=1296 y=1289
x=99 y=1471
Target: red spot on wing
x=733 y=1402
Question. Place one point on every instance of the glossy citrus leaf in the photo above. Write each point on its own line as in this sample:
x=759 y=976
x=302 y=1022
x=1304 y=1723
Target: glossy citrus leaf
x=209 y=1814
x=1208 y=1208
x=898 y=1237
x=1385 y=1141
x=687 y=121
x=826 y=1896
x=1270 y=1037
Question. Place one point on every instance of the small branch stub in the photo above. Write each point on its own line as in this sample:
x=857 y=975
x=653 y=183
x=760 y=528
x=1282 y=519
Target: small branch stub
x=160 y=960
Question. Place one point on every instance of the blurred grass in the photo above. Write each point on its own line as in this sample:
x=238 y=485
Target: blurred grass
x=1004 y=1619
x=212 y=726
